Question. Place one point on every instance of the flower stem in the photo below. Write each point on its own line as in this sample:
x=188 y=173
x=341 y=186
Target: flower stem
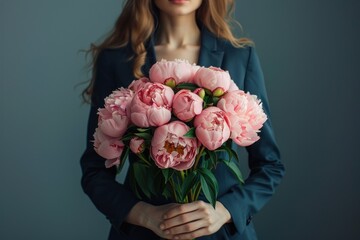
x=173 y=188
x=143 y=159
x=198 y=157
x=182 y=176
x=197 y=191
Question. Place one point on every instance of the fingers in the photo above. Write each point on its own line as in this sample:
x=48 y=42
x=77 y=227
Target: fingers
x=195 y=234
x=187 y=227
x=193 y=219
x=184 y=208
x=186 y=213
x=181 y=219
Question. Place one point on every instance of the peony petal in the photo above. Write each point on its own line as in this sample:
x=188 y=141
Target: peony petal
x=112 y=162
x=110 y=149
x=139 y=119
x=115 y=126
x=137 y=145
x=158 y=116
x=170 y=150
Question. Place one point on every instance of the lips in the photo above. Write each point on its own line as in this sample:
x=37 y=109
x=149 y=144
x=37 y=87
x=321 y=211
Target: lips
x=178 y=1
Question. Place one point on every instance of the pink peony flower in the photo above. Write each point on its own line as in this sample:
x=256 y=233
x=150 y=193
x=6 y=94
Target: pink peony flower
x=137 y=145
x=113 y=119
x=212 y=127
x=112 y=124
x=243 y=134
x=108 y=147
x=172 y=72
x=119 y=100
x=170 y=149
x=151 y=105
x=186 y=105
x=138 y=84
x=233 y=86
x=246 y=116
x=214 y=79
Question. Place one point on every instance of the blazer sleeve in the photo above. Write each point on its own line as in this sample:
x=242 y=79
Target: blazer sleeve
x=266 y=169
x=110 y=197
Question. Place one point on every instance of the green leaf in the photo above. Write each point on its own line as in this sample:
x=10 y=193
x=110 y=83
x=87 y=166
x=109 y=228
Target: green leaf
x=166 y=193
x=209 y=185
x=212 y=158
x=234 y=168
x=154 y=180
x=144 y=158
x=205 y=164
x=133 y=184
x=208 y=92
x=140 y=172
x=190 y=133
x=189 y=86
x=235 y=154
x=231 y=153
x=189 y=182
x=228 y=144
x=127 y=137
x=123 y=159
x=167 y=173
x=143 y=129
x=143 y=135
x=223 y=149
x=215 y=100
x=206 y=101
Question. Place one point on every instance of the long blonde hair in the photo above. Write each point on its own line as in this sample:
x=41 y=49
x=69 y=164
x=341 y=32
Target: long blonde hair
x=137 y=22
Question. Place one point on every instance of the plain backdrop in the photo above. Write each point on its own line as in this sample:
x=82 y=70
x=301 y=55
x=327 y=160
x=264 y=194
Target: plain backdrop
x=310 y=56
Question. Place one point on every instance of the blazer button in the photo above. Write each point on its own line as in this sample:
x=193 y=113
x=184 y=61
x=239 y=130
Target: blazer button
x=249 y=220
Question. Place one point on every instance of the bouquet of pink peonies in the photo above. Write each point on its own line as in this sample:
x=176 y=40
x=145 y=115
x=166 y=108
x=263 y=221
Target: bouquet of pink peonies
x=176 y=121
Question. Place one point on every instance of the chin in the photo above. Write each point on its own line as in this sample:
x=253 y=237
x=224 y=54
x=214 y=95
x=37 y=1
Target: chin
x=178 y=7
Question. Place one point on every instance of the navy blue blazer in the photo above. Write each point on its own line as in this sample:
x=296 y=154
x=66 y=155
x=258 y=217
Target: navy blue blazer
x=115 y=200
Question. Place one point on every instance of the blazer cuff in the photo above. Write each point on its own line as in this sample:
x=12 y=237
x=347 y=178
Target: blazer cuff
x=238 y=210
x=122 y=212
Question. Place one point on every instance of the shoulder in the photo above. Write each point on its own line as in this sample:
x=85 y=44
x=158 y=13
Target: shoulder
x=241 y=62
x=232 y=56
x=245 y=56
x=117 y=65
x=240 y=53
x=111 y=56
x=114 y=61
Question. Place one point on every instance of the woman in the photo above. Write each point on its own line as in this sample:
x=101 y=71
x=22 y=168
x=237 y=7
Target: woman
x=196 y=30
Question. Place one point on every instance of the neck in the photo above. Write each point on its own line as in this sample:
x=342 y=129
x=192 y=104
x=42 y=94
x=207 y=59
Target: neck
x=179 y=31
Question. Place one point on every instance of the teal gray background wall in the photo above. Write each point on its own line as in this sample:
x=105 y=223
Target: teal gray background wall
x=310 y=56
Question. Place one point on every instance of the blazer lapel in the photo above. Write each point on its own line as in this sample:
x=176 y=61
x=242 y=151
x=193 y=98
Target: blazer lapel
x=211 y=53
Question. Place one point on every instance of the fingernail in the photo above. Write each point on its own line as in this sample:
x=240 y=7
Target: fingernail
x=165 y=216
x=176 y=237
x=167 y=232
x=162 y=226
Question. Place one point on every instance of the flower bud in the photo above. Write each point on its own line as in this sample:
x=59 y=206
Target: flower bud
x=170 y=82
x=186 y=105
x=218 y=92
x=200 y=92
x=137 y=145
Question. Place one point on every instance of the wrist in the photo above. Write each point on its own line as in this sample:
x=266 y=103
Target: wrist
x=223 y=211
x=137 y=214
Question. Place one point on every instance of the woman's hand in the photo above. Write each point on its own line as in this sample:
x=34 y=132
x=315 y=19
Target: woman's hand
x=150 y=216
x=192 y=220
